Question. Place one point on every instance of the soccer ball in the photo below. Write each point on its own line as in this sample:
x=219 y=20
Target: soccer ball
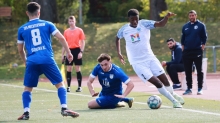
x=154 y=102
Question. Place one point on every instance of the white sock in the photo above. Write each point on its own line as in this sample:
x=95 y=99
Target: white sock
x=170 y=89
x=64 y=105
x=167 y=94
x=26 y=109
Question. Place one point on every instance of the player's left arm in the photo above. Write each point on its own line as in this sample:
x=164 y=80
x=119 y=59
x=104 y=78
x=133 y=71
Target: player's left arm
x=22 y=52
x=164 y=20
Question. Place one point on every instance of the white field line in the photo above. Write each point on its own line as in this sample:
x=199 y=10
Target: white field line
x=190 y=110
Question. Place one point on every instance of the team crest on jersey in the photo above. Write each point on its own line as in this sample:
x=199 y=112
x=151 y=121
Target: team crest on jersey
x=135 y=38
x=138 y=29
x=195 y=27
x=111 y=76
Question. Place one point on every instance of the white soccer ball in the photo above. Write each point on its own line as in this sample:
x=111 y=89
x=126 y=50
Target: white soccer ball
x=154 y=102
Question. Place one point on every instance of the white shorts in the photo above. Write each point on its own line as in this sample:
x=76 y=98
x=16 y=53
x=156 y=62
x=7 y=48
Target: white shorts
x=145 y=70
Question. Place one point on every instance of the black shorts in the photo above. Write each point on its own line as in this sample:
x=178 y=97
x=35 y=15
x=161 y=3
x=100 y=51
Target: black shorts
x=75 y=53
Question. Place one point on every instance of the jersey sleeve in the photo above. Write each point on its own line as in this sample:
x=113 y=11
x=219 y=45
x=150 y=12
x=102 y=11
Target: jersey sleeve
x=82 y=35
x=120 y=32
x=149 y=24
x=20 y=39
x=52 y=28
x=94 y=71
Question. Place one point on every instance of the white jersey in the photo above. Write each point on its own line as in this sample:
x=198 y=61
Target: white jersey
x=137 y=41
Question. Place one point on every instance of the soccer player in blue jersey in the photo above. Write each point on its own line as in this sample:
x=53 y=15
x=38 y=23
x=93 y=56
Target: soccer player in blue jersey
x=110 y=77
x=35 y=35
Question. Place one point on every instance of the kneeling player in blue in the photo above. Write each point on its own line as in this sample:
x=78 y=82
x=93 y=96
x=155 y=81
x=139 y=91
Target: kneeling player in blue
x=110 y=77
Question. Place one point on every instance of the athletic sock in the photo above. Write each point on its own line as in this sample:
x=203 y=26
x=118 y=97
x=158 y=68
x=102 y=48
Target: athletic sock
x=68 y=78
x=169 y=89
x=79 y=78
x=167 y=94
x=26 y=98
x=62 y=96
x=125 y=100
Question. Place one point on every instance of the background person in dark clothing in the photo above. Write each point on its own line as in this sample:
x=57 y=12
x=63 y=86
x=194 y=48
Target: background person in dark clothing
x=176 y=64
x=193 y=42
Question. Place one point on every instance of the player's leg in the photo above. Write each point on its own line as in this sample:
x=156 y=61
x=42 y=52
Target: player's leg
x=158 y=71
x=93 y=104
x=31 y=77
x=52 y=72
x=79 y=77
x=188 y=63
x=69 y=68
x=198 y=64
x=128 y=100
x=78 y=63
x=145 y=74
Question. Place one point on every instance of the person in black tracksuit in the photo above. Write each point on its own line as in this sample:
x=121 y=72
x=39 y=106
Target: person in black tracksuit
x=193 y=42
x=175 y=65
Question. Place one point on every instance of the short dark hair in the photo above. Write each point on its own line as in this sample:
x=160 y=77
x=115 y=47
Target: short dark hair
x=72 y=17
x=170 y=39
x=192 y=11
x=133 y=12
x=33 y=7
x=103 y=56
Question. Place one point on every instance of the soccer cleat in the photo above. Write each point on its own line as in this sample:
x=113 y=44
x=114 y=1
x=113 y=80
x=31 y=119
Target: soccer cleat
x=177 y=105
x=66 y=112
x=179 y=98
x=177 y=87
x=187 y=92
x=199 y=91
x=68 y=89
x=79 y=89
x=130 y=102
x=24 y=116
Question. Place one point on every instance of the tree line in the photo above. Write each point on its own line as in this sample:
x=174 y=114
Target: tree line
x=102 y=11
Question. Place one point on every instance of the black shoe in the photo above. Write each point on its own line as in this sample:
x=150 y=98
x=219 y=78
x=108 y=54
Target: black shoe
x=79 y=89
x=68 y=89
x=66 y=112
x=24 y=116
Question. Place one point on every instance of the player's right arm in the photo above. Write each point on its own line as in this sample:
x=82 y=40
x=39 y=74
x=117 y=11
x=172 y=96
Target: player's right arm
x=63 y=42
x=90 y=87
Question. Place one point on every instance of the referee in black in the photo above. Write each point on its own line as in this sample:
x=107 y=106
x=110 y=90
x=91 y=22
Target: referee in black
x=193 y=42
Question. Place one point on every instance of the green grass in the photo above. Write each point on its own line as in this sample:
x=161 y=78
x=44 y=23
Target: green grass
x=45 y=108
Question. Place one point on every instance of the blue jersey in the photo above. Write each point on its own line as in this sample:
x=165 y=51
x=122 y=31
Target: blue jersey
x=110 y=81
x=36 y=36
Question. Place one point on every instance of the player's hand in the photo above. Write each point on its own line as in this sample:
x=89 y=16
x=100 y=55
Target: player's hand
x=119 y=96
x=80 y=55
x=95 y=94
x=121 y=59
x=163 y=63
x=203 y=47
x=170 y=14
x=69 y=57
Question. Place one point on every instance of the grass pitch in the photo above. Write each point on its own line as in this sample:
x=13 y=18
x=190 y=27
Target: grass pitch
x=45 y=108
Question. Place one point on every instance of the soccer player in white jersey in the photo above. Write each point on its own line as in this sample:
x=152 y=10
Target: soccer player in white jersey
x=140 y=55
x=35 y=35
x=110 y=77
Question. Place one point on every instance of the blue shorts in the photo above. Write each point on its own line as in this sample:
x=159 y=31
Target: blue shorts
x=33 y=71
x=108 y=101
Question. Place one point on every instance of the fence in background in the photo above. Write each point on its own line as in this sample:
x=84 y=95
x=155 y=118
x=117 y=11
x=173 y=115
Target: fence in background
x=214 y=55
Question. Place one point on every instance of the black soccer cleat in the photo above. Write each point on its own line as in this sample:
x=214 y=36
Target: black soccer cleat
x=66 y=112
x=24 y=116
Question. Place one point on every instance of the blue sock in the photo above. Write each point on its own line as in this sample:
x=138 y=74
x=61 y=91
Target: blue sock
x=26 y=98
x=62 y=95
x=125 y=100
